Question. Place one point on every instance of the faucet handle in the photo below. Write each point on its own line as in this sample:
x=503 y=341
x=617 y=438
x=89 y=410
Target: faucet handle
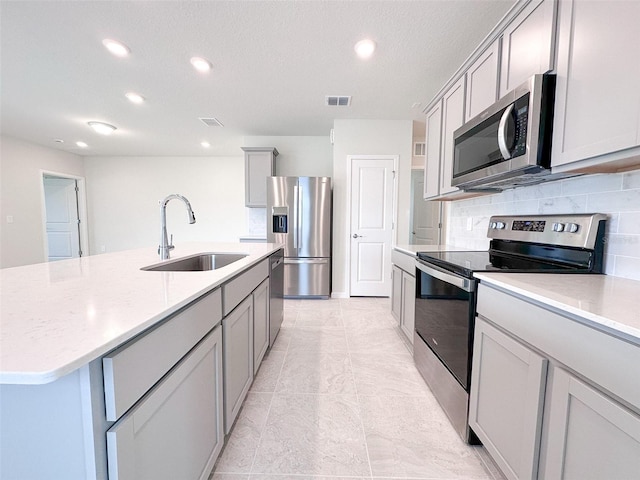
x=170 y=246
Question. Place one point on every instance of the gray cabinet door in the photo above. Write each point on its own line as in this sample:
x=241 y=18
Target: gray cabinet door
x=408 y=305
x=238 y=359
x=260 y=323
x=590 y=436
x=452 y=118
x=506 y=402
x=527 y=44
x=175 y=431
x=597 y=96
x=433 y=152
x=482 y=82
x=258 y=164
x=396 y=293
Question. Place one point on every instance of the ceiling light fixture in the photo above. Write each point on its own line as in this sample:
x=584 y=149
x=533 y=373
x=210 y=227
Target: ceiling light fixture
x=82 y=144
x=102 y=128
x=134 y=97
x=117 y=48
x=205 y=144
x=201 y=64
x=365 y=48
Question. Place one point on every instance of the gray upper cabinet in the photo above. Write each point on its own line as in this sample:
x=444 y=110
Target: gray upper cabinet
x=259 y=163
x=597 y=96
x=432 y=151
x=527 y=44
x=452 y=119
x=482 y=81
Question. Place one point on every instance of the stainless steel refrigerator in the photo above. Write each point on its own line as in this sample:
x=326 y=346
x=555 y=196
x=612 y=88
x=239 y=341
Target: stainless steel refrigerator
x=299 y=217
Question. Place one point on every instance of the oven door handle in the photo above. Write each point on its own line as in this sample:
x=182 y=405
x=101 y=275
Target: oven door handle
x=441 y=274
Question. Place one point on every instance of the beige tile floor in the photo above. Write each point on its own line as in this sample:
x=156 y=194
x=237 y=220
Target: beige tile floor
x=338 y=397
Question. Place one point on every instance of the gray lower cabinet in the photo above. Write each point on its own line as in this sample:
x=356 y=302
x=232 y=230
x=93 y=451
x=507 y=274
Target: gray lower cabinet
x=238 y=359
x=175 y=431
x=403 y=291
x=551 y=397
x=507 y=391
x=260 y=323
x=590 y=436
x=396 y=292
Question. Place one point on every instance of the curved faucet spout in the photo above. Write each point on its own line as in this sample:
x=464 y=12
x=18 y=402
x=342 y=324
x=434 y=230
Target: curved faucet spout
x=165 y=246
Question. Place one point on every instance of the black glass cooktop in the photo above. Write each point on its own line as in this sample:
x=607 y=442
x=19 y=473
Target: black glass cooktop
x=466 y=262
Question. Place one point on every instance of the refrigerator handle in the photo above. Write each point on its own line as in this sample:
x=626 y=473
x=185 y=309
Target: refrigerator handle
x=299 y=217
x=296 y=195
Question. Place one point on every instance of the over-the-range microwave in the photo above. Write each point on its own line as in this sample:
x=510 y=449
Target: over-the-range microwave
x=509 y=143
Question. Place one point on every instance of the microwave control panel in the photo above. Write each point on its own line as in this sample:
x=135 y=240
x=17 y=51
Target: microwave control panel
x=521 y=113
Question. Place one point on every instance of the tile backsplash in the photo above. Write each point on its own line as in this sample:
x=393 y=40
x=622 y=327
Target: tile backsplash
x=617 y=195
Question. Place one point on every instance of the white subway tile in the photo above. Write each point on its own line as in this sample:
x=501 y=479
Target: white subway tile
x=628 y=267
x=629 y=222
x=626 y=245
x=631 y=179
x=573 y=204
x=622 y=201
x=608 y=182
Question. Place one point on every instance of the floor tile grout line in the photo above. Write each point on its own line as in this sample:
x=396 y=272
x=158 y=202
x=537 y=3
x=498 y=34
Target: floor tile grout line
x=273 y=395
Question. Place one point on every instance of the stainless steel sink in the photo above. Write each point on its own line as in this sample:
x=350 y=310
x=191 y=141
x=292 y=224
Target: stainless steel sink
x=197 y=263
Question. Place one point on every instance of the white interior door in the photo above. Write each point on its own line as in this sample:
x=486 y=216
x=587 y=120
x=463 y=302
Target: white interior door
x=62 y=222
x=425 y=214
x=371 y=226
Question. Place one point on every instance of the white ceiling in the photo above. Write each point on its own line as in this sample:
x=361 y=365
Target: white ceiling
x=273 y=63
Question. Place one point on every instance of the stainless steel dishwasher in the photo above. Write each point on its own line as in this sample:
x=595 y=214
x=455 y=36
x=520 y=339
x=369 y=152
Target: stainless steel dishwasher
x=276 y=289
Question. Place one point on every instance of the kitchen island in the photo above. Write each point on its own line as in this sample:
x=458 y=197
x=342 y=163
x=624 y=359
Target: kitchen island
x=61 y=323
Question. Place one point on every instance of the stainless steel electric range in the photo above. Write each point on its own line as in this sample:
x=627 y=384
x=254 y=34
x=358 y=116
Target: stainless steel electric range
x=445 y=306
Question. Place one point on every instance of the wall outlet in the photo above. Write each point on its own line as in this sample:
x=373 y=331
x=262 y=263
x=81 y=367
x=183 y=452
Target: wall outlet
x=470 y=223
x=9 y=218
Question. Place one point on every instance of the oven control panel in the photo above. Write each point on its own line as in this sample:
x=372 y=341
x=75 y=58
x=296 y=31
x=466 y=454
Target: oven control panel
x=574 y=230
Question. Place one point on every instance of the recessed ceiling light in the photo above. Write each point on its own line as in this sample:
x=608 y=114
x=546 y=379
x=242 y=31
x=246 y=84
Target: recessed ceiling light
x=82 y=144
x=102 y=128
x=117 y=48
x=200 y=64
x=365 y=48
x=205 y=144
x=134 y=97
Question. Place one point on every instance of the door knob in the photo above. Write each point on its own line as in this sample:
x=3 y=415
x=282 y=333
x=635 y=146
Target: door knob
x=355 y=235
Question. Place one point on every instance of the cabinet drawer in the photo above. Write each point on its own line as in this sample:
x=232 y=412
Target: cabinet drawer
x=404 y=261
x=605 y=360
x=236 y=290
x=176 y=430
x=132 y=369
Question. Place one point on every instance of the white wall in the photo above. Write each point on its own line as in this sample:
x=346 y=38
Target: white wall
x=123 y=195
x=617 y=195
x=21 y=163
x=366 y=137
x=304 y=156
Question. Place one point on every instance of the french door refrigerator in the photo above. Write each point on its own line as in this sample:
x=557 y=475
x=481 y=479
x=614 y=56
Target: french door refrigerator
x=299 y=217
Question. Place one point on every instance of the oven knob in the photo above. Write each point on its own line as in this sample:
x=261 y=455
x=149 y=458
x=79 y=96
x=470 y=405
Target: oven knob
x=558 y=227
x=572 y=227
x=493 y=225
x=500 y=225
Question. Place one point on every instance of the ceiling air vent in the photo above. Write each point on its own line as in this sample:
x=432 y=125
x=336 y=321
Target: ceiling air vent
x=211 y=122
x=337 y=100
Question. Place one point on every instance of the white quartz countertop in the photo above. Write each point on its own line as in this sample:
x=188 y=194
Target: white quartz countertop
x=611 y=304
x=57 y=316
x=414 y=249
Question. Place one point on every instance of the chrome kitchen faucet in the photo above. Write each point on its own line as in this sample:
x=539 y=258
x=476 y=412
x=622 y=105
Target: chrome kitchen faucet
x=165 y=246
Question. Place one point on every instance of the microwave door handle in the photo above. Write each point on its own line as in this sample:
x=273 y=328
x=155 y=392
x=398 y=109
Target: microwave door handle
x=502 y=133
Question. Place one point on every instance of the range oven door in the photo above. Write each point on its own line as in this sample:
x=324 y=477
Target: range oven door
x=445 y=310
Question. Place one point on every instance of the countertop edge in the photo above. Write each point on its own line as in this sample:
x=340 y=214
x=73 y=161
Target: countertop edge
x=49 y=376
x=613 y=326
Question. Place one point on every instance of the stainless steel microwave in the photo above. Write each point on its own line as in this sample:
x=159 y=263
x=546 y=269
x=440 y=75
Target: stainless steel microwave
x=508 y=144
